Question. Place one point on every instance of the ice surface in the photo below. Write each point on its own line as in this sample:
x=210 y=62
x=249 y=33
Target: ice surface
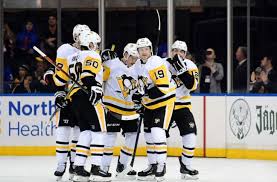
x=41 y=169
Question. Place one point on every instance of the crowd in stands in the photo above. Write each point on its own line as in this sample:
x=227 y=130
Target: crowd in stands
x=23 y=69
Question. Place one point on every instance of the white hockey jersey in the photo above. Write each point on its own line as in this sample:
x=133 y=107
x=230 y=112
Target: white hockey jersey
x=183 y=97
x=85 y=64
x=154 y=73
x=79 y=65
x=119 y=85
x=63 y=52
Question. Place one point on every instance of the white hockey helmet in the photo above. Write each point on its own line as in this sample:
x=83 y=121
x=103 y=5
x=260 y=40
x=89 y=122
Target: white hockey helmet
x=144 y=42
x=131 y=50
x=87 y=37
x=77 y=31
x=180 y=45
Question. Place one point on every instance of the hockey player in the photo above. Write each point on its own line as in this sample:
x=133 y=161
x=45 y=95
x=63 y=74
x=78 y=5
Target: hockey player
x=119 y=85
x=65 y=121
x=185 y=75
x=85 y=67
x=158 y=100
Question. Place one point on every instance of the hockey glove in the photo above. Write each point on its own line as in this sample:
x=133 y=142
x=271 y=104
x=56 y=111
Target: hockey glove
x=136 y=98
x=60 y=99
x=95 y=94
x=178 y=63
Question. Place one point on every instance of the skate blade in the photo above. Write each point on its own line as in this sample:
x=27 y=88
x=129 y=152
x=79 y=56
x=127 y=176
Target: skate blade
x=99 y=178
x=80 y=179
x=120 y=176
x=189 y=177
x=147 y=178
x=160 y=178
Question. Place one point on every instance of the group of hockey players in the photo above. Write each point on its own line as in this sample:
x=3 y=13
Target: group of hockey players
x=116 y=94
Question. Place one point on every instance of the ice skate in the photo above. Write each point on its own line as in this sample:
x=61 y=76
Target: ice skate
x=59 y=172
x=148 y=174
x=80 y=174
x=160 y=172
x=187 y=173
x=97 y=174
x=125 y=173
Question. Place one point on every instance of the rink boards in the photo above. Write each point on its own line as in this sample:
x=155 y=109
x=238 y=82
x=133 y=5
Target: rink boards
x=229 y=126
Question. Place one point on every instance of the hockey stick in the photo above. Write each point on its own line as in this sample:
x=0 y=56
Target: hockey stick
x=130 y=166
x=158 y=33
x=136 y=142
x=59 y=69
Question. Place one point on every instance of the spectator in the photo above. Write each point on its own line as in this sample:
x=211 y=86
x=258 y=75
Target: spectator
x=240 y=72
x=9 y=65
x=9 y=43
x=256 y=81
x=49 y=43
x=23 y=70
x=41 y=67
x=25 y=41
x=39 y=83
x=8 y=79
x=25 y=86
x=211 y=73
x=269 y=75
x=191 y=57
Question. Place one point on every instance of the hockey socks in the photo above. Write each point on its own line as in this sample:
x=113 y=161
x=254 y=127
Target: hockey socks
x=189 y=142
x=62 y=146
x=127 y=150
x=83 y=148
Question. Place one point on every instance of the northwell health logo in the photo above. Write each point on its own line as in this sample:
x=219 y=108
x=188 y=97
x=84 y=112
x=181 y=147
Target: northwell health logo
x=23 y=118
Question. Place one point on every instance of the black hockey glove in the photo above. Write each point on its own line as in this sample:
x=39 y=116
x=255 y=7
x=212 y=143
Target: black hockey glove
x=95 y=94
x=60 y=99
x=178 y=63
x=136 y=98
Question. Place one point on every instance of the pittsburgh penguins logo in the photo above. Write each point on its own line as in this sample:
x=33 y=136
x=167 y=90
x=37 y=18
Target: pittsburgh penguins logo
x=126 y=84
x=142 y=83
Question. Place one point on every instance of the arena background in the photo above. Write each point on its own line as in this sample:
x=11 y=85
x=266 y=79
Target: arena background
x=219 y=24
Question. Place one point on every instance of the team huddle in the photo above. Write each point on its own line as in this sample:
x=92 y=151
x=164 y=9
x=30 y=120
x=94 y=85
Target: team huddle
x=102 y=94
